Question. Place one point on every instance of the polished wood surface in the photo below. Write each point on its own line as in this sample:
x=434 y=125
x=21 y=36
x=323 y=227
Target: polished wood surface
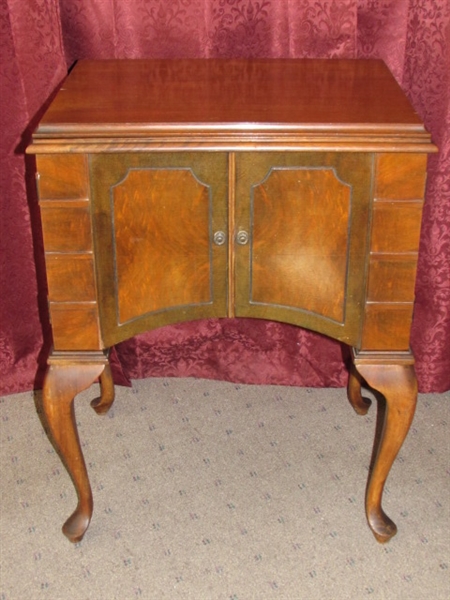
x=293 y=271
x=399 y=180
x=173 y=190
x=288 y=256
x=396 y=381
x=65 y=379
x=302 y=94
x=156 y=261
x=147 y=265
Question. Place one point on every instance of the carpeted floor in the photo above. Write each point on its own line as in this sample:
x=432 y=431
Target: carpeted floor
x=206 y=490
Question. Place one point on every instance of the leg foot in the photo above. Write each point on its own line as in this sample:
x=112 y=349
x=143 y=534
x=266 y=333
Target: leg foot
x=103 y=403
x=62 y=383
x=360 y=404
x=398 y=384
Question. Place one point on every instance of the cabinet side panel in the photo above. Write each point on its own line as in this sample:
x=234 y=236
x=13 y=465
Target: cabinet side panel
x=386 y=326
x=66 y=226
x=391 y=278
x=396 y=226
x=65 y=269
x=63 y=184
x=75 y=326
x=62 y=176
x=401 y=176
x=397 y=213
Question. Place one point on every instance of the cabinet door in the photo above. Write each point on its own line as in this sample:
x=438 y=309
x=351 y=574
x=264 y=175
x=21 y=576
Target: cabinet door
x=301 y=233
x=154 y=217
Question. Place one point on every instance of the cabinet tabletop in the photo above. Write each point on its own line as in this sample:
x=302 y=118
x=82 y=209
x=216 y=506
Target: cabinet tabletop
x=135 y=97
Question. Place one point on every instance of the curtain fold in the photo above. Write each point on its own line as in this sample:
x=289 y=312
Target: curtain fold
x=41 y=42
x=31 y=67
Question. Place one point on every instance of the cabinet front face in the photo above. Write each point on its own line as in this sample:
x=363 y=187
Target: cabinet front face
x=301 y=231
x=154 y=220
x=326 y=241
x=298 y=226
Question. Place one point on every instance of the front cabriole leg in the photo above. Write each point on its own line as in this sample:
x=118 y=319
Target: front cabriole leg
x=394 y=377
x=67 y=376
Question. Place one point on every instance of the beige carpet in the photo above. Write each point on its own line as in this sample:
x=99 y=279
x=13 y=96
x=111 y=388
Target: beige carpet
x=209 y=490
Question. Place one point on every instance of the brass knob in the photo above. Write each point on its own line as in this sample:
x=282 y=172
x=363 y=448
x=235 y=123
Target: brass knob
x=242 y=238
x=219 y=238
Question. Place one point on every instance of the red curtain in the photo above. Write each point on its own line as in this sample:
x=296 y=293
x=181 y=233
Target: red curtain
x=41 y=39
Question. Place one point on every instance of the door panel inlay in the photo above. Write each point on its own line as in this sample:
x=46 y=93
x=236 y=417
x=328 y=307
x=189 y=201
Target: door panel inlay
x=161 y=241
x=311 y=262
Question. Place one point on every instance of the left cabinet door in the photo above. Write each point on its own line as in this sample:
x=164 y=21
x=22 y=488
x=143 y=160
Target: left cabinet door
x=155 y=218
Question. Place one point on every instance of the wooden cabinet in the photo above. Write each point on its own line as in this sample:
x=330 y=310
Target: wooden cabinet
x=288 y=190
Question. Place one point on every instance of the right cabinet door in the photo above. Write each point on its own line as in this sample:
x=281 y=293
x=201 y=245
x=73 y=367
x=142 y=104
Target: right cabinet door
x=301 y=239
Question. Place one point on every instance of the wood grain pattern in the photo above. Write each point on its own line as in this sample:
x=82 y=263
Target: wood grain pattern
x=396 y=226
x=399 y=187
x=313 y=173
x=391 y=277
x=69 y=251
x=400 y=176
x=155 y=215
x=301 y=94
x=62 y=177
x=394 y=377
x=66 y=226
x=75 y=326
x=161 y=262
x=292 y=263
x=71 y=277
x=311 y=276
x=387 y=326
x=64 y=380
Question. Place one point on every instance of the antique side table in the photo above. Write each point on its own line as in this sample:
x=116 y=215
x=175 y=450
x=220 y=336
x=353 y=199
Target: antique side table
x=173 y=190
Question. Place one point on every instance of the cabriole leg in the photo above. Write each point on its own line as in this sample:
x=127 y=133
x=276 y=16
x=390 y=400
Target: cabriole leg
x=398 y=384
x=360 y=404
x=103 y=403
x=64 y=380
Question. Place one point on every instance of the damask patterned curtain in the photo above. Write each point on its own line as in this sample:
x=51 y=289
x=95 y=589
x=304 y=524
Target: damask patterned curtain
x=42 y=39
